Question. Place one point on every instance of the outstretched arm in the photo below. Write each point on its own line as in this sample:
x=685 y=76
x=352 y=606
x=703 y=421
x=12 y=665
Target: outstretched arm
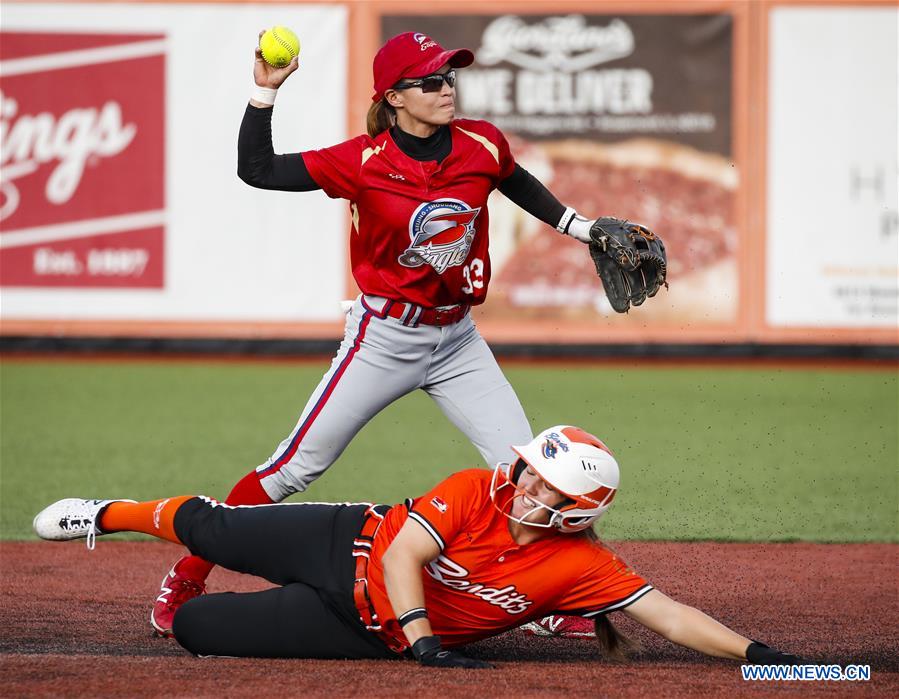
x=522 y=188
x=687 y=626
x=692 y=628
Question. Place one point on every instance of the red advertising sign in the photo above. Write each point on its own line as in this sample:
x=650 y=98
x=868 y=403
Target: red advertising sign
x=82 y=150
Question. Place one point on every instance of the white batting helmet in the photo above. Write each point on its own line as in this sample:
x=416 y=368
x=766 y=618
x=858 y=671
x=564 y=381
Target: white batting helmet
x=573 y=462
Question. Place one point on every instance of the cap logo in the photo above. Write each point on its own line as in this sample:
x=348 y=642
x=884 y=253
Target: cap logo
x=557 y=440
x=425 y=41
x=550 y=449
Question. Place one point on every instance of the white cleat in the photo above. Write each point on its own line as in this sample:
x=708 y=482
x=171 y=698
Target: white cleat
x=72 y=518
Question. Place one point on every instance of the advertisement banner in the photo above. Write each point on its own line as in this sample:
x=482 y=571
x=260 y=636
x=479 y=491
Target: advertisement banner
x=621 y=115
x=83 y=159
x=833 y=198
x=120 y=197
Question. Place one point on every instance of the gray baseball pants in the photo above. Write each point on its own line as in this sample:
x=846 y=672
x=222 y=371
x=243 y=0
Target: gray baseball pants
x=381 y=360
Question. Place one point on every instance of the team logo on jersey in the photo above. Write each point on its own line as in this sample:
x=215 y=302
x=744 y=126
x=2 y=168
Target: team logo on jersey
x=441 y=233
x=439 y=504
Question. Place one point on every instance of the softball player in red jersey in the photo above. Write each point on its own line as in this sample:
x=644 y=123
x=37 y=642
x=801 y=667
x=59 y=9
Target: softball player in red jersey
x=476 y=556
x=417 y=185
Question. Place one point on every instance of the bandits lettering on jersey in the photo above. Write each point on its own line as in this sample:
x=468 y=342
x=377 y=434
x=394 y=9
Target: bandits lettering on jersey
x=441 y=233
x=447 y=572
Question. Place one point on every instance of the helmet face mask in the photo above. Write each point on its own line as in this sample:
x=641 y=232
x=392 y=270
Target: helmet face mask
x=505 y=476
x=575 y=464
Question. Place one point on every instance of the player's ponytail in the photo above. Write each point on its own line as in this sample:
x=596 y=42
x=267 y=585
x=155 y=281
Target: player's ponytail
x=613 y=645
x=381 y=116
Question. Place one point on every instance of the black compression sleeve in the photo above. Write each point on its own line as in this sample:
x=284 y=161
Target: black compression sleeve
x=257 y=164
x=529 y=193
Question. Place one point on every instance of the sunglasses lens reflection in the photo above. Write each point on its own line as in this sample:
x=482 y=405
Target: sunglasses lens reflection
x=434 y=83
x=430 y=83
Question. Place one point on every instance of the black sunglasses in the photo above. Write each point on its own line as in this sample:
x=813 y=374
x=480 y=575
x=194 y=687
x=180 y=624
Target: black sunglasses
x=430 y=83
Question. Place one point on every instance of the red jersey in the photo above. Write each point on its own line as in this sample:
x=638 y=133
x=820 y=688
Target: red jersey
x=419 y=229
x=483 y=583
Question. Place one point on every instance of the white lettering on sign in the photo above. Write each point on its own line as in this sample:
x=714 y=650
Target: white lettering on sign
x=566 y=43
x=117 y=262
x=556 y=76
x=591 y=92
x=612 y=91
x=30 y=140
x=487 y=91
x=47 y=261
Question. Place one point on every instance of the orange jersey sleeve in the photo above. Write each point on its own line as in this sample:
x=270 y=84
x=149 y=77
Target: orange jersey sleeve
x=603 y=584
x=448 y=506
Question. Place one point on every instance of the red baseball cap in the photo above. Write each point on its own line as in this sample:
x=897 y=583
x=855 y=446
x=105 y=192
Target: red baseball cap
x=412 y=55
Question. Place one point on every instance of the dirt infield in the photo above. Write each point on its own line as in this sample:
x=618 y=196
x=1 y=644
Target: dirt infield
x=75 y=624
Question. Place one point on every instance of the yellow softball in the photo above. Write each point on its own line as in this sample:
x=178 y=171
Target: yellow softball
x=279 y=45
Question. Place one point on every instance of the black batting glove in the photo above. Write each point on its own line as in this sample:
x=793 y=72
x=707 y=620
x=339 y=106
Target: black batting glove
x=759 y=654
x=428 y=651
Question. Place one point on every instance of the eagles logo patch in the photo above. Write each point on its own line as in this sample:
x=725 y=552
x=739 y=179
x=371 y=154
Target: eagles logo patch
x=441 y=233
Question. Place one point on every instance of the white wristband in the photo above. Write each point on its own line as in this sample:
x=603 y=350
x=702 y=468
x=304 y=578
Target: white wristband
x=265 y=95
x=565 y=221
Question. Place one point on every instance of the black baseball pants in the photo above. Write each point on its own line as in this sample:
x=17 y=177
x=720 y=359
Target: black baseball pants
x=304 y=548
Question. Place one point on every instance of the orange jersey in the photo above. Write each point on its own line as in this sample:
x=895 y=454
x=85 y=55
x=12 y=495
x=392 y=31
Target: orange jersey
x=483 y=583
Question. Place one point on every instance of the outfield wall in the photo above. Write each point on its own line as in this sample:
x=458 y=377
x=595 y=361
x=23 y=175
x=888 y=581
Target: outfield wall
x=726 y=126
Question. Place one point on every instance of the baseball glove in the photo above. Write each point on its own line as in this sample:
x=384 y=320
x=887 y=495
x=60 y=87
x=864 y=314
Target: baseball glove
x=630 y=260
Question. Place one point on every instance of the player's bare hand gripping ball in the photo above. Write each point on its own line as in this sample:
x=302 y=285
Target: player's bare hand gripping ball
x=273 y=76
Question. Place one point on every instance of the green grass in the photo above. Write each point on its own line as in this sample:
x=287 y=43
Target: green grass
x=706 y=453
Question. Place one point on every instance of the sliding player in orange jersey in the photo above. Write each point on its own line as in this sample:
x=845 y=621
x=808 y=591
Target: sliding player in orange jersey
x=481 y=553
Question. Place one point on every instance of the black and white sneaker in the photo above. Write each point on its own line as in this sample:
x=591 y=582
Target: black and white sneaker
x=72 y=518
